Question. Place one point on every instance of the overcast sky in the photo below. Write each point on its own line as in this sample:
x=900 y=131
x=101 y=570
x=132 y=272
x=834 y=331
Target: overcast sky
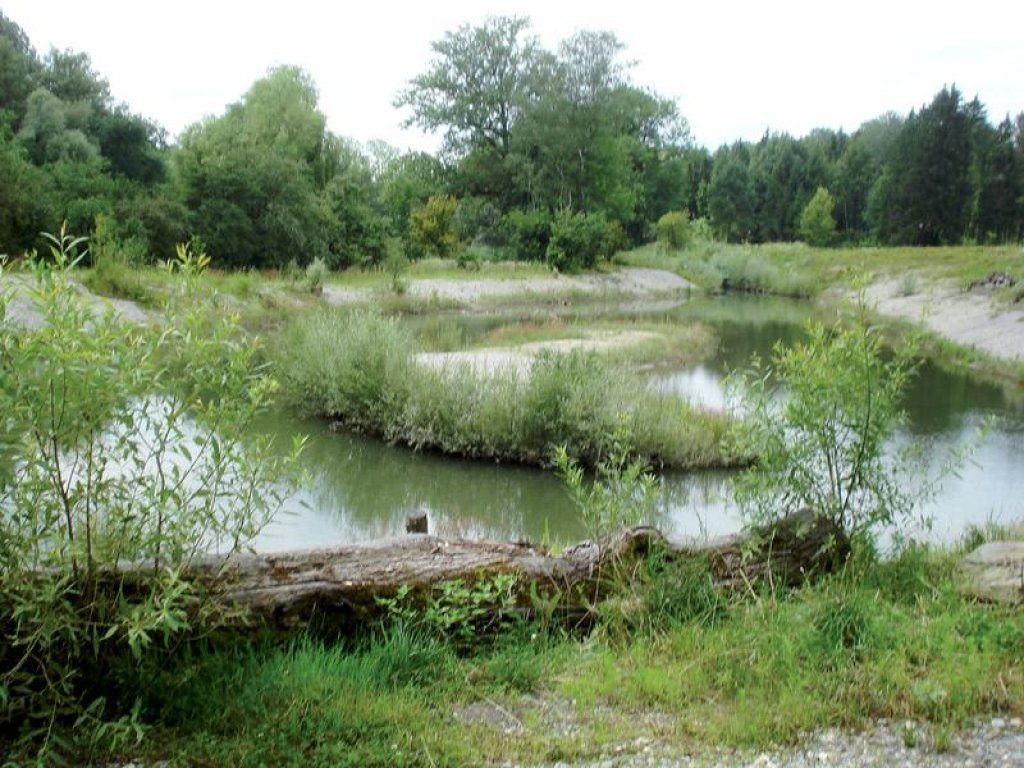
x=735 y=67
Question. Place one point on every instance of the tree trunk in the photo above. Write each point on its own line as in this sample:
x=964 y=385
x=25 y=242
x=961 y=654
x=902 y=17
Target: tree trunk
x=340 y=586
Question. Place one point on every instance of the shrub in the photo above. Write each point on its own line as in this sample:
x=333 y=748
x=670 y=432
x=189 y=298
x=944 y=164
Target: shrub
x=823 y=444
x=673 y=229
x=527 y=233
x=817 y=225
x=476 y=220
x=577 y=241
x=354 y=366
x=432 y=226
x=316 y=274
x=120 y=443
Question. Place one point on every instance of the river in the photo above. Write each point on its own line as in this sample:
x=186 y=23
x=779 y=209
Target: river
x=360 y=489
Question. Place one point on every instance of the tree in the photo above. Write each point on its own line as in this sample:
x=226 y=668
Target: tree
x=997 y=212
x=53 y=130
x=131 y=146
x=476 y=86
x=69 y=76
x=405 y=182
x=25 y=200
x=779 y=186
x=730 y=195
x=19 y=66
x=253 y=177
x=928 y=197
x=817 y=226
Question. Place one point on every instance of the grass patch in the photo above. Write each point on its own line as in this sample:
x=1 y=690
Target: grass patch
x=359 y=368
x=702 y=669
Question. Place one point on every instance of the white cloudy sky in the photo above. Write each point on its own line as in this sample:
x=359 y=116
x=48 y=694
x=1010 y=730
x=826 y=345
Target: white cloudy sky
x=736 y=67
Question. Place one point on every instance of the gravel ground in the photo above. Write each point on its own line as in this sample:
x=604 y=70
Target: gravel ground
x=996 y=744
x=969 y=318
x=632 y=281
x=21 y=310
x=520 y=358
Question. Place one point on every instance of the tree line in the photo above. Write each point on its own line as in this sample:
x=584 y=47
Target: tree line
x=546 y=154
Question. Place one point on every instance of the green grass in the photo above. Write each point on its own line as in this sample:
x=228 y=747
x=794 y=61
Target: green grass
x=695 y=670
x=800 y=270
x=359 y=368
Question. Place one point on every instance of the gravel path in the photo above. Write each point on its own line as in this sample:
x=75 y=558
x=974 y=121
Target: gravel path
x=969 y=318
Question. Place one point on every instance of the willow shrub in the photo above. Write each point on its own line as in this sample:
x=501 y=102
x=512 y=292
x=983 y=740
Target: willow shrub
x=820 y=418
x=121 y=443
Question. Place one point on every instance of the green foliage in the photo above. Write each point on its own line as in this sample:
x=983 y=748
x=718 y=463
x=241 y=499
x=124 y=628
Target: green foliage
x=623 y=493
x=475 y=85
x=396 y=265
x=432 y=227
x=359 y=368
x=528 y=233
x=316 y=273
x=26 y=203
x=824 y=442
x=682 y=591
x=926 y=201
x=456 y=610
x=350 y=365
x=673 y=229
x=254 y=178
x=578 y=241
x=123 y=443
x=817 y=226
x=731 y=195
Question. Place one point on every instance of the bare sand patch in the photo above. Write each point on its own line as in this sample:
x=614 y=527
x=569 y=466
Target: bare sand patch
x=518 y=360
x=972 y=318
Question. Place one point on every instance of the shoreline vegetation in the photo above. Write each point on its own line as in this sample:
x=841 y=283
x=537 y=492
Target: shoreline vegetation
x=669 y=658
x=360 y=369
x=125 y=424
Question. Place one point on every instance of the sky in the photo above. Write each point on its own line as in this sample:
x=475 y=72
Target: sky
x=736 y=68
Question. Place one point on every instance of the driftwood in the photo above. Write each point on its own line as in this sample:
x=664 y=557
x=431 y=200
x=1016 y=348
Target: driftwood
x=341 y=585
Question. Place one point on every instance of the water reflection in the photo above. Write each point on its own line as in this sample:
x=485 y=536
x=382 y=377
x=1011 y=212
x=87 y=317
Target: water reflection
x=360 y=488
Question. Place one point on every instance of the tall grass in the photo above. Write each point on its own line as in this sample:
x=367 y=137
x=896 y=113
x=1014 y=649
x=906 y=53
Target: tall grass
x=359 y=368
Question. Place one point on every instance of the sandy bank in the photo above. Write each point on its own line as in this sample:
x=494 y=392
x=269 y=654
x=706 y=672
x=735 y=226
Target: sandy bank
x=973 y=319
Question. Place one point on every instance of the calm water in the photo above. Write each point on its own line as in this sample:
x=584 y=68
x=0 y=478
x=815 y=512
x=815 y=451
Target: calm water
x=361 y=489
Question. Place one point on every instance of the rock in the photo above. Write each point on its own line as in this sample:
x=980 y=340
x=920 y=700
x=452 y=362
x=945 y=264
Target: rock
x=994 y=280
x=994 y=572
x=416 y=523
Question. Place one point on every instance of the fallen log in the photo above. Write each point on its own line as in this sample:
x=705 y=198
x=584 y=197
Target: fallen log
x=342 y=585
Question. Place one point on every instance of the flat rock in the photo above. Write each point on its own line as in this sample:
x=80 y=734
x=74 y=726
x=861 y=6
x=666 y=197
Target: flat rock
x=994 y=572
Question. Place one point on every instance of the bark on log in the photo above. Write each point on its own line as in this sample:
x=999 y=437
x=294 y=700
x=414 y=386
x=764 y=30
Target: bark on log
x=340 y=585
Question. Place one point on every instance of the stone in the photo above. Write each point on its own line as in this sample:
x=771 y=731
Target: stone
x=994 y=572
x=416 y=523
